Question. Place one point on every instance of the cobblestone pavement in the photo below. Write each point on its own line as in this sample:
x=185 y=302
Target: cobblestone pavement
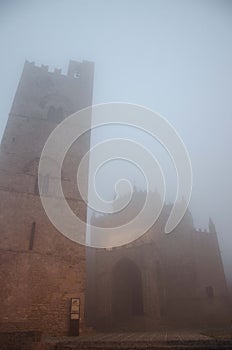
x=157 y=340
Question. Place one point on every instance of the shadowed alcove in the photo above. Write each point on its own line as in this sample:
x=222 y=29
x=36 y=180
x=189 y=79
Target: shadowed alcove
x=127 y=298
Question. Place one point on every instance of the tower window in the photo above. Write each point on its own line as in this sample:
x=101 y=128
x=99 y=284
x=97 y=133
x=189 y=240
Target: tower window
x=32 y=236
x=77 y=75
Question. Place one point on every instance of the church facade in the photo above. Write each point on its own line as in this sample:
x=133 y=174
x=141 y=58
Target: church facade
x=159 y=280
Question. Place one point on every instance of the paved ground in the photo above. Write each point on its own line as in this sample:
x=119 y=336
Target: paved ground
x=158 y=340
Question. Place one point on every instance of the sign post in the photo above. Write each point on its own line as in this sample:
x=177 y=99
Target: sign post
x=75 y=317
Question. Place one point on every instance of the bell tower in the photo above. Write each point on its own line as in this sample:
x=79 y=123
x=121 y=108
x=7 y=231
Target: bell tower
x=40 y=268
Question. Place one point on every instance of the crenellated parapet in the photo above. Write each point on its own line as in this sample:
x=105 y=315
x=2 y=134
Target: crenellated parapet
x=75 y=68
x=52 y=95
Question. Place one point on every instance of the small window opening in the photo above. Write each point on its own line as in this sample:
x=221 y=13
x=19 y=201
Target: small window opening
x=77 y=75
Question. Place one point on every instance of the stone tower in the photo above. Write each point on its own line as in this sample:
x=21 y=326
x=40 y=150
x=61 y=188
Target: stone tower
x=41 y=270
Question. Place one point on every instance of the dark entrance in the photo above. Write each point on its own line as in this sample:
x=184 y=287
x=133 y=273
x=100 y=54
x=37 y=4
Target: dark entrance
x=127 y=290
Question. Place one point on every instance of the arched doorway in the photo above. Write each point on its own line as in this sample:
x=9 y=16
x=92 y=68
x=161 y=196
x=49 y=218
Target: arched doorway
x=127 y=298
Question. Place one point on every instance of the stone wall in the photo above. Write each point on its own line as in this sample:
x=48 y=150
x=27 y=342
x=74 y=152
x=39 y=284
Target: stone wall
x=178 y=273
x=41 y=270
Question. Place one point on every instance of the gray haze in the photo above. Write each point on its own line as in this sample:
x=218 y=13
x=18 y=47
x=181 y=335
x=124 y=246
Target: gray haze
x=174 y=57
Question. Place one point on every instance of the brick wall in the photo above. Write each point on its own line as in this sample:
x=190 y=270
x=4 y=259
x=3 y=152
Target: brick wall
x=41 y=270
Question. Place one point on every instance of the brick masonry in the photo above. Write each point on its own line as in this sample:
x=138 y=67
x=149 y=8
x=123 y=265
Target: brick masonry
x=41 y=270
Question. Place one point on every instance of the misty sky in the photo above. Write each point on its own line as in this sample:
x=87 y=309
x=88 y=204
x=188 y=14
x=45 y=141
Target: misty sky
x=173 y=56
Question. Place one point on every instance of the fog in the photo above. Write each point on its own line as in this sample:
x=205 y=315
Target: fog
x=174 y=57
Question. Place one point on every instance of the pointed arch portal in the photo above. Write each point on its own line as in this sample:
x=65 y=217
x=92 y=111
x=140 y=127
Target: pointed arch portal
x=127 y=298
